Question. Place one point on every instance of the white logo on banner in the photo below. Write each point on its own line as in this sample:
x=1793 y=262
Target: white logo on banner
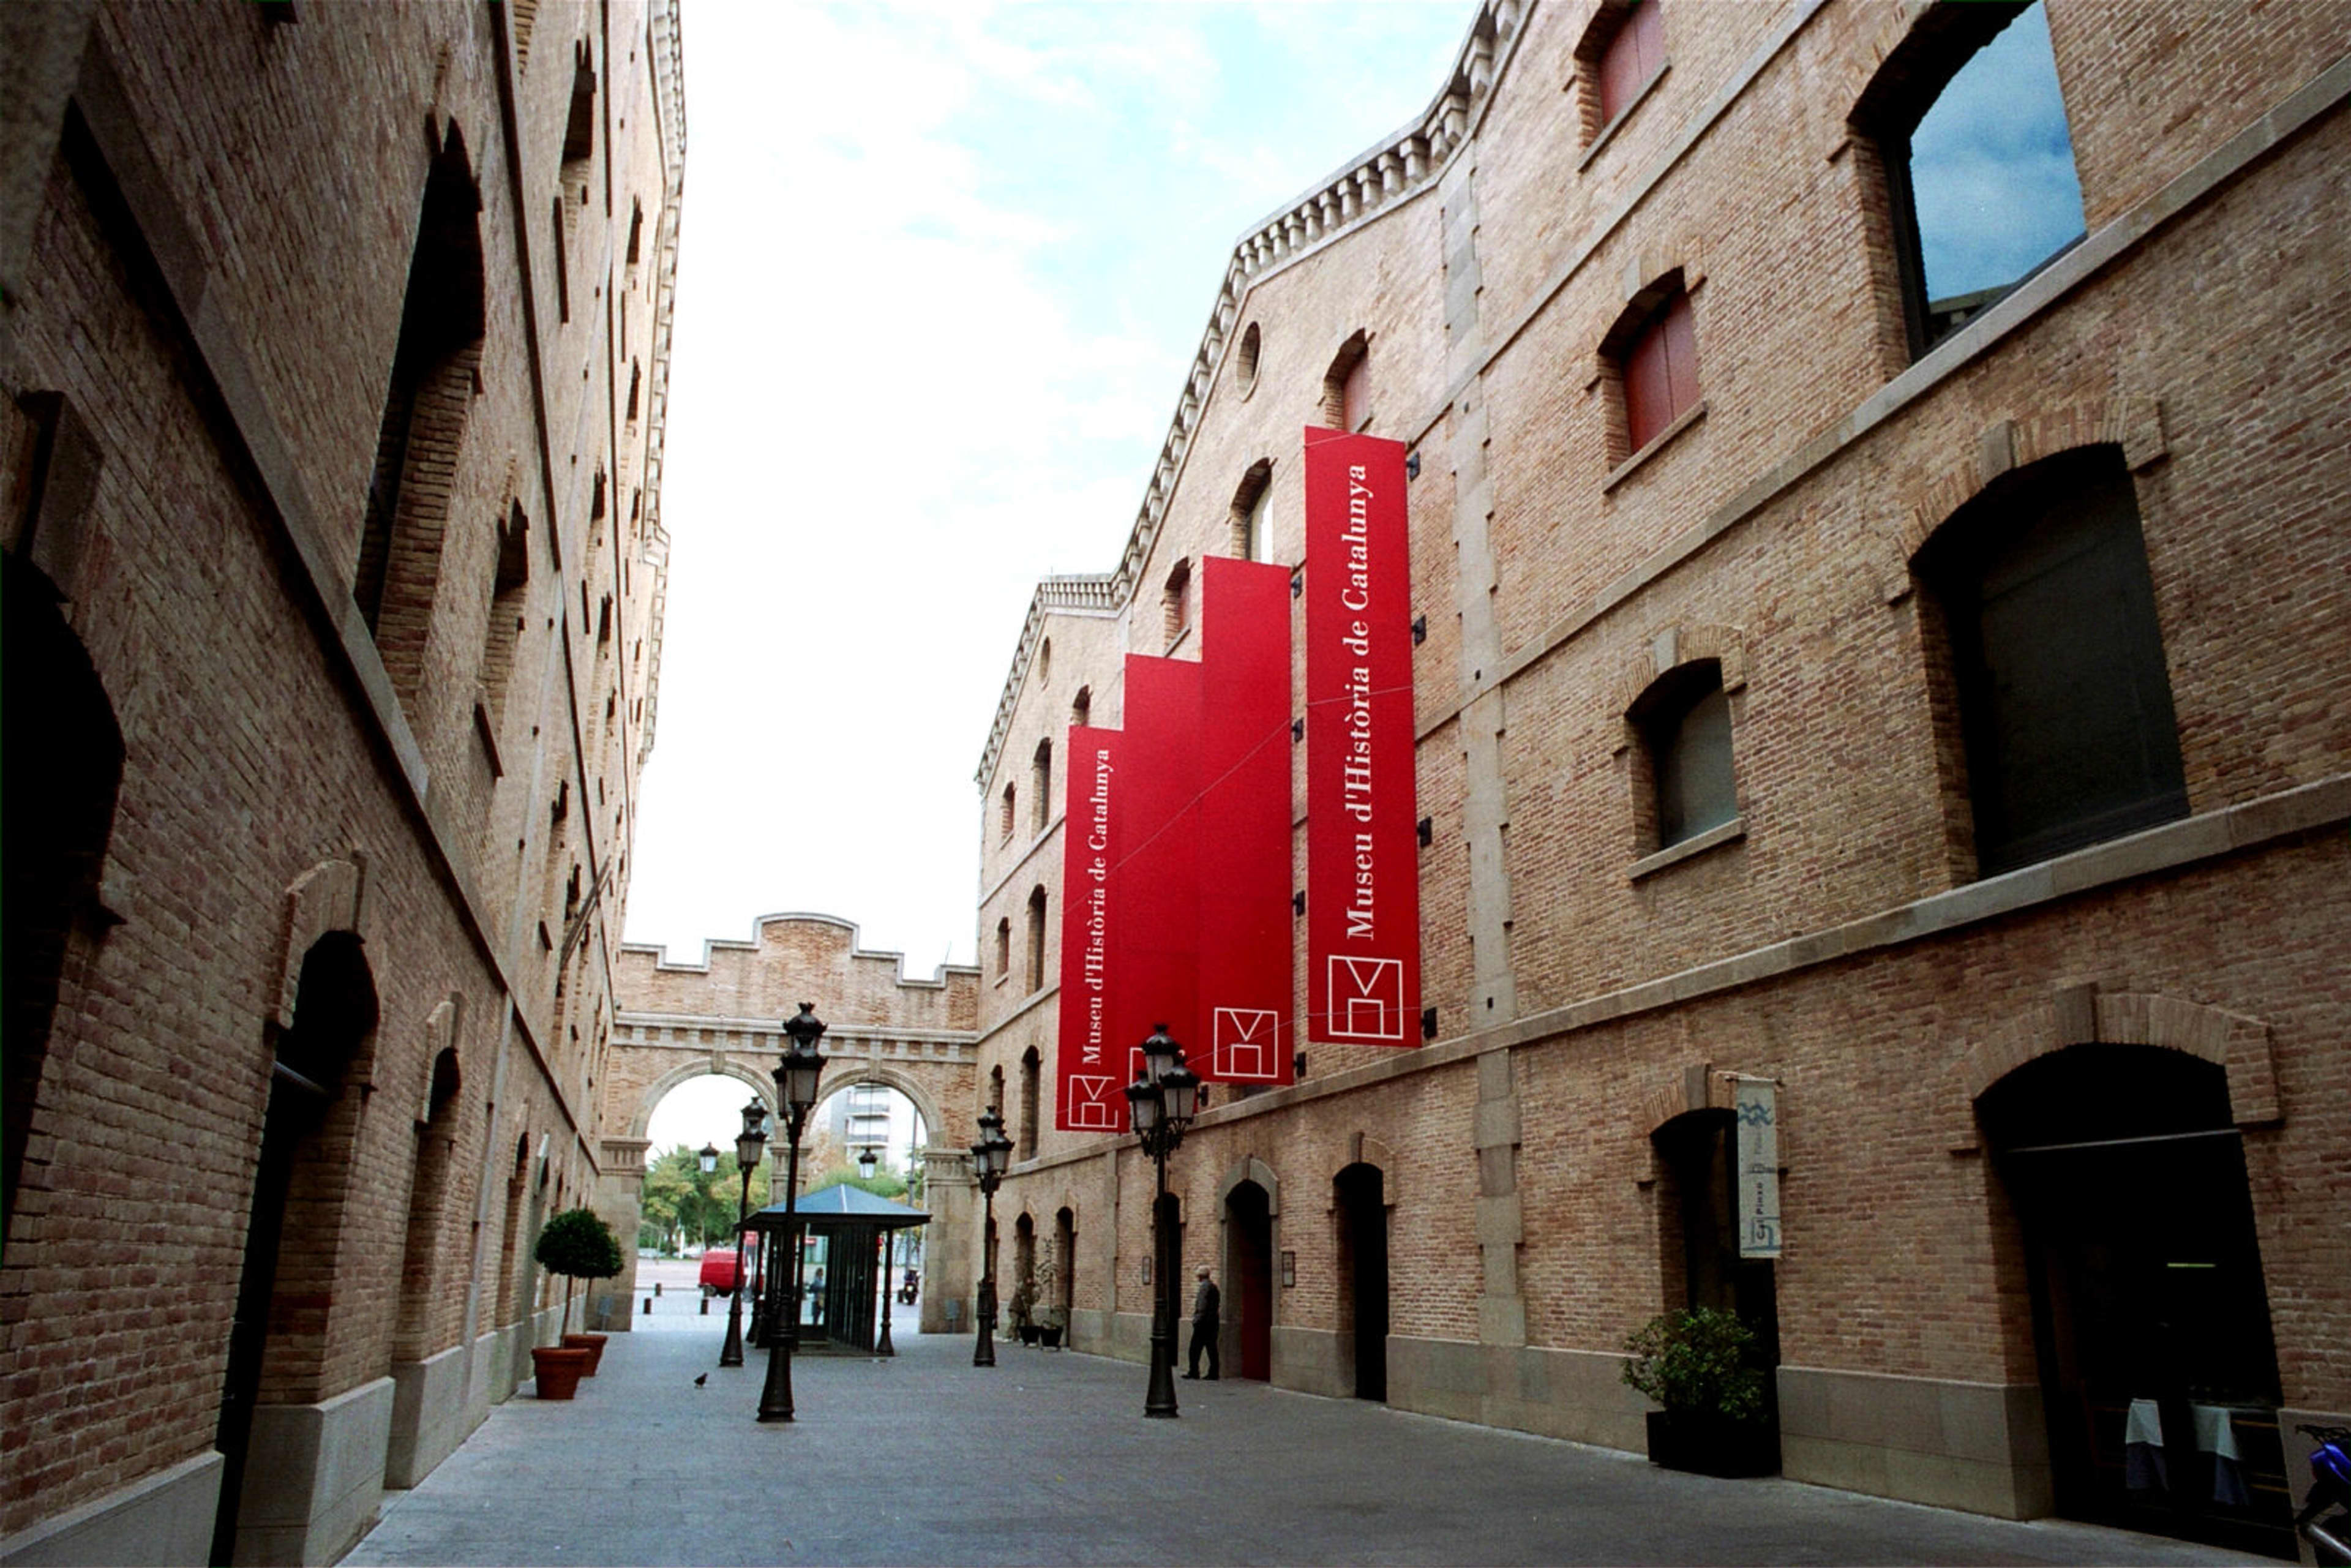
x=1090 y=1112
x=1366 y=999
x=1757 y=1103
x=1243 y=1042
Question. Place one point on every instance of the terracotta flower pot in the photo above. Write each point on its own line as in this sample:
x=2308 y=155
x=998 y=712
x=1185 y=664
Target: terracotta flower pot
x=559 y=1369
x=594 y=1344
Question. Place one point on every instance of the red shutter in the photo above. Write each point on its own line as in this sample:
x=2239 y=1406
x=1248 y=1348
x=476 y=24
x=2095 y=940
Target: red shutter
x=1660 y=373
x=1634 y=55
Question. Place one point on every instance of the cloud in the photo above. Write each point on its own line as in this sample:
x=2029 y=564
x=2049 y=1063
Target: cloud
x=1991 y=167
x=942 y=272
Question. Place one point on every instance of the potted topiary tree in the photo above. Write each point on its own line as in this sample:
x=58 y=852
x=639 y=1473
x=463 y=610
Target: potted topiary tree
x=1699 y=1364
x=579 y=1245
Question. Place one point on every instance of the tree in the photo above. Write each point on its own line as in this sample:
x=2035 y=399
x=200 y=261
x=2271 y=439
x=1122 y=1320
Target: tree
x=684 y=1203
x=579 y=1245
x=881 y=1184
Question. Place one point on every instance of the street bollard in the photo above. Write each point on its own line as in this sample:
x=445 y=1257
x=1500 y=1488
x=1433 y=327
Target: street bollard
x=705 y=1306
x=649 y=1306
x=657 y=1285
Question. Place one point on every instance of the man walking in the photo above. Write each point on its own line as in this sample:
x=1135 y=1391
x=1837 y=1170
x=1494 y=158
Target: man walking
x=1204 y=1303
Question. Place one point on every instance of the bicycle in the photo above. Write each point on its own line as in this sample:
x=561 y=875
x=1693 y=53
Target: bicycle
x=2330 y=1487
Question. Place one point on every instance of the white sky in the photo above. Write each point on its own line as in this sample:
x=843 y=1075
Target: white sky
x=941 y=276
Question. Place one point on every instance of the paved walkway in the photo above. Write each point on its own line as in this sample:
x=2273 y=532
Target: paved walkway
x=1048 y=1458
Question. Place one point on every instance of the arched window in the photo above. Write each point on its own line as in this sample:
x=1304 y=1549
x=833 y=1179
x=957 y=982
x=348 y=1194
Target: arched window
x=1176 y=602
x=424 y=424
x=1965 y=118
x=1037 y=940
x=1032 y=1071
x=1245 y=358
x=1004 y=833
x=1081 y=706
x=2047 y=609
x=1248 y=513
x=1044 y=661
x=509 y=578
x=1652 y=356
x=56 y=821
x=1622 y=52
x=1347 y=386
x=1686 y=775
x=1040 y=787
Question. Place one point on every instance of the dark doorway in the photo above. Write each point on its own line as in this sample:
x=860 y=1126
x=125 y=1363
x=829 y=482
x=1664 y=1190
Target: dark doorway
x=1364 y=1274
x=1065 y=1260
x=54 y=822
x=2150 y=1316
x=1248 y=1211
x=1699 y=1156
x=334 y=1013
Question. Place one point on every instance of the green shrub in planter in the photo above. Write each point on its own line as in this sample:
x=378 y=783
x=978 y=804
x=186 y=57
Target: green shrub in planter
x=579 y=1245
x=1697 y=1361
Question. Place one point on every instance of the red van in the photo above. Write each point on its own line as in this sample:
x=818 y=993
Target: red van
x=718 y=1269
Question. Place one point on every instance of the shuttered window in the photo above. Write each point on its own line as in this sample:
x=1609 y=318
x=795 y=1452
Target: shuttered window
x=2057 y=658
x=1660 y=372
x=1633 y=56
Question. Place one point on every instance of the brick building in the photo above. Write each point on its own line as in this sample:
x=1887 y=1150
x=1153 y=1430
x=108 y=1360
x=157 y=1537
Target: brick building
x=1901 y=667
x=336 y=368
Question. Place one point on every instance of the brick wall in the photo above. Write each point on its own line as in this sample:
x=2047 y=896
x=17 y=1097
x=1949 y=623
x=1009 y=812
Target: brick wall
x=218 y=303
x=1835 y=938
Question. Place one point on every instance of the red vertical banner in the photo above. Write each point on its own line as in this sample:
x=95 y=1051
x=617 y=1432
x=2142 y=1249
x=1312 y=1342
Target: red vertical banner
x=1362 y=872
x=1244 y=826
x=1089 y=1069
x=1156 y=883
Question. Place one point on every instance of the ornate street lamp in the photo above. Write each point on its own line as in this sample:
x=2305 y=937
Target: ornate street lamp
x=749 y=1144
x=795 y=1077
x=1160 y=1104
x=866 y=1160
x=990 y=1158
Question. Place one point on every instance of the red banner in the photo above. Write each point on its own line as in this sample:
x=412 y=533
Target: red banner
x=1176 y=861
x=1362 y=872
x=1243 y=1034
x=1158 y=878
x=1089 y=1094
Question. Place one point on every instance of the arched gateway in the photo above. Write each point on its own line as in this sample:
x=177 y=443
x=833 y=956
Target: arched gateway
x=725 y=1016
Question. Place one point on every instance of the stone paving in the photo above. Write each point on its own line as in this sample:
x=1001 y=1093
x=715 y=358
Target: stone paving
x=1048 y=1458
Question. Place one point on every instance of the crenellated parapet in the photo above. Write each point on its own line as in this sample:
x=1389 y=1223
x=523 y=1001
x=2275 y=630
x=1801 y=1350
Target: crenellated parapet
x=790 y=960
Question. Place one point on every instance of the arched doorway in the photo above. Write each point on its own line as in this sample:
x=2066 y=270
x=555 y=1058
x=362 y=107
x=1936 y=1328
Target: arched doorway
x=1363 y=1243
x=1697 y=1159
x=1248 y=1277
x=1065 y=1262
x=298 y=1186
x=2150 y=1316
x=1024 y=1262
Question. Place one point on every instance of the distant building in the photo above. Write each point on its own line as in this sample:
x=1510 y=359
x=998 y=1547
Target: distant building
x=1883 y=608
x=336 y=359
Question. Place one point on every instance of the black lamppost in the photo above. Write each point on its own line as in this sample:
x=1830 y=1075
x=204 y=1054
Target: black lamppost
x=796 y=1077
x=1160 y=1104
x=990 y=1158
x=707 y=1160
x=749 y=1144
